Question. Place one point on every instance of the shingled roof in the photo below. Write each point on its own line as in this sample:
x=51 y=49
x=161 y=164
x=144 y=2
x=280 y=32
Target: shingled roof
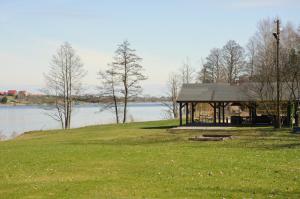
x=224 y=92
x=217 y=92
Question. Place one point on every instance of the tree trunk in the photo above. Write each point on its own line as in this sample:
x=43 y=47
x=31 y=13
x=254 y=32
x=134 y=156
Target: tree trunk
x=125 y=104
x=126 y=90
x=116 y=106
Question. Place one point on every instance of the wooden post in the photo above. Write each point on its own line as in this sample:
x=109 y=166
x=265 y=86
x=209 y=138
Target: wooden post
x=219 y=112
x=186 y=113
x=193 y=112
x=250 y=112
x=289 y=114
x=296 y=113
x=180 y=113
x=199 y=108
x=223 y=112
x=215 y=113
x=253 y=114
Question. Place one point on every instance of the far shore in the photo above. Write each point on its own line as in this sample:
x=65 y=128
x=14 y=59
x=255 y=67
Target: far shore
x=77 y=103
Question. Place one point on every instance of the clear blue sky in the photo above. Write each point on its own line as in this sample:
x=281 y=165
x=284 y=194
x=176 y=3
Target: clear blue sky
x=164 y=33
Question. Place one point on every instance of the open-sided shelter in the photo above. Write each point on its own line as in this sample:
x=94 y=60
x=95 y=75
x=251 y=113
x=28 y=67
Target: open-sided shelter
x=219 y=96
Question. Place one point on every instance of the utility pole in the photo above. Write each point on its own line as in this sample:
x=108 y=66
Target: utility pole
x=276 y=35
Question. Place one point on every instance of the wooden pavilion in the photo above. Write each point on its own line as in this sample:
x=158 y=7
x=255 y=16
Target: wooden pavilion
x=219 y=96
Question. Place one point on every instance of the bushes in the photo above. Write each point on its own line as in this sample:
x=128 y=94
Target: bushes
x=4 y=100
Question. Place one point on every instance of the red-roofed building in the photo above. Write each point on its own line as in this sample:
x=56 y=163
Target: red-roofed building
x=11 y=92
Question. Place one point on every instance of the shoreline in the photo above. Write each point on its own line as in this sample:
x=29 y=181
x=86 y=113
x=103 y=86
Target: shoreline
x=76 y=104
x=15 y=135
x=33 y=117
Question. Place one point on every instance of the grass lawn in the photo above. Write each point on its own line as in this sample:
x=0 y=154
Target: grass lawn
x=146 y=160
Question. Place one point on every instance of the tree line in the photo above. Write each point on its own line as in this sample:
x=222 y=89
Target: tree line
x=255 y=62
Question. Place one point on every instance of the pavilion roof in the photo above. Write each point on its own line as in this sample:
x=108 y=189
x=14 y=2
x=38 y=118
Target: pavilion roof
x=224 y=92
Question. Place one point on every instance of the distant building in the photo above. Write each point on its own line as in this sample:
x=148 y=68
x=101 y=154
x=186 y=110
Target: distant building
x=12 y=92
x=2 y=93
x=22 y=94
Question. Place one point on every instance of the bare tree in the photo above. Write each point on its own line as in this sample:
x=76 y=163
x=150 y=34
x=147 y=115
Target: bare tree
x=264 y=64
x=214 y=65
x=292 y=77
x=173 y=86
x=289 y=59
x=263 y=56
x=63 y=81
x=187 y=72
x=290 y=37
x=127 y=66
x=290 y=63
x=110 y=90
x=204 y=75
x=233 y=59
x=251 y=55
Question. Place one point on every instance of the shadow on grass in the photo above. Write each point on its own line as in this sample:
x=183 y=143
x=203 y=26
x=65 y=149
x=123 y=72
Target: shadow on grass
x=266 y=144
x=159 y=127
x=261 y=139
x=254 y=146
x=126 y=142
x=289 y=145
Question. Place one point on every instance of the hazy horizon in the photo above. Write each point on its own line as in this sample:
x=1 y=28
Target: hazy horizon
x=163 y=33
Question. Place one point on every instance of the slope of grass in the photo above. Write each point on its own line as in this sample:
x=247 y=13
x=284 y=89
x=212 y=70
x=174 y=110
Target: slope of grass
x=147 y=160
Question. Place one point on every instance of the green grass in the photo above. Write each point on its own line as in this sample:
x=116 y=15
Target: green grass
x=147 y=160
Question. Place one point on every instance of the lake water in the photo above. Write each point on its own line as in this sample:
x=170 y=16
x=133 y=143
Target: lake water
x=15 y=120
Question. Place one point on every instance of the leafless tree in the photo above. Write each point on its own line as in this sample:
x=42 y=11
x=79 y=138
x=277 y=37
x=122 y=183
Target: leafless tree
x=263 y=60
x=264 y=64
x=292 y=77
x=173 y=86
x=233 y=59
x=110 y=90
x=251 y=55
x=204 y=76
x=290 y=37
x=214 y=65
x=127 y=65
x=290 y=63
x=187 y=72
x=289 y=59
x=63 y=81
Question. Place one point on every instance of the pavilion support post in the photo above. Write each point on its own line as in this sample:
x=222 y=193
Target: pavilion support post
x=250 y=112
x=180 y=113
x=223 y=112
x=296 y=115
x=219 y=112
x=186 y=113
x=193 y=112
x=199 y=111
x=253 y=114
x=215 y=113
x=289 y=107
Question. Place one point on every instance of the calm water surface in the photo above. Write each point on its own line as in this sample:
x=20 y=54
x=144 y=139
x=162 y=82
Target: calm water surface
x=15 y=120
